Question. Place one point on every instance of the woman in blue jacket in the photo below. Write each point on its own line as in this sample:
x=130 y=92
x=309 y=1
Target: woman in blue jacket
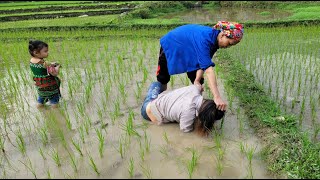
x=189 y=48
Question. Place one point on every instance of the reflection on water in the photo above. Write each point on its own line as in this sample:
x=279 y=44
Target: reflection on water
x=199 y=15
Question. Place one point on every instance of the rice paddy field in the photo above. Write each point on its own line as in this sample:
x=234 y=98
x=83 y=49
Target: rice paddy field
x=98 y=132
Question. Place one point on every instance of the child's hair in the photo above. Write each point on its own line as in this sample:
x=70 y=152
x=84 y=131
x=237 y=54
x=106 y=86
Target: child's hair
x=208 y=115
x=36 y=45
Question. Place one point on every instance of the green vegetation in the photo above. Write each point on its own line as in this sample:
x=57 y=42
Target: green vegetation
x=287 y=148
x=275 y=79
x=54 y=12
x=53 y=4
x=72 y=21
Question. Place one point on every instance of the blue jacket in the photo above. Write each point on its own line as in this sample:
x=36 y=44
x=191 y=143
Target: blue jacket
x=189 y=47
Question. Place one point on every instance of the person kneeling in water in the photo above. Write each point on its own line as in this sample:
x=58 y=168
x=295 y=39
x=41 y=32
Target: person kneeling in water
x=185 y=106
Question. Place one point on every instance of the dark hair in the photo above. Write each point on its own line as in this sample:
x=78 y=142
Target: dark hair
x=36 y=45
x=208 y=115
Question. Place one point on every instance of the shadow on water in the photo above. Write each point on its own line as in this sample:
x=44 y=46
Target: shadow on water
x=200 y=15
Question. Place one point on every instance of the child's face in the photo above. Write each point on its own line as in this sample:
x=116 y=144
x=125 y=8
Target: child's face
x=225 y=42
x=43 y=53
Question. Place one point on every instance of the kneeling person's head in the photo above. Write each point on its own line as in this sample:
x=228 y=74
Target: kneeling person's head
x=208 y=115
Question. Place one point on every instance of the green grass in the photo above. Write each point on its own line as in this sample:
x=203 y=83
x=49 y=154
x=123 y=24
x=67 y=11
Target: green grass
x=15 y=4
x=302 y=10
x=54 y=12
x=46 y=4
x=72 y=21
x=305 y=15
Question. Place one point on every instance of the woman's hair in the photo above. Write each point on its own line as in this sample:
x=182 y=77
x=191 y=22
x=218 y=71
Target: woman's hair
x=208 y=114
x=36 y=45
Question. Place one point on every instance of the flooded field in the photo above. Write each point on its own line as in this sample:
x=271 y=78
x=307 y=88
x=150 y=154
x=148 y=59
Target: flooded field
x=288 y=69
x=200 y=15
x=98 y=131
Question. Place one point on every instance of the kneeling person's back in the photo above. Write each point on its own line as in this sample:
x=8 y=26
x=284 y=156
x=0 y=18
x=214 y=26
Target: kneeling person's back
x=180 y=105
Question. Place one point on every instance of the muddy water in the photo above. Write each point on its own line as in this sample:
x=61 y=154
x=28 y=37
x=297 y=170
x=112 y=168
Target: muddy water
x=151 y=156
x=200 y=15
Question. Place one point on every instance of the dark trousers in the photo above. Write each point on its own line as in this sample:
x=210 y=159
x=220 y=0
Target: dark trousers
x=163 y=74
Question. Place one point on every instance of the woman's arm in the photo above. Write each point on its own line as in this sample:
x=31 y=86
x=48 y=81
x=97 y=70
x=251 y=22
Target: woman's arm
x=212 y=82
x=199 y=75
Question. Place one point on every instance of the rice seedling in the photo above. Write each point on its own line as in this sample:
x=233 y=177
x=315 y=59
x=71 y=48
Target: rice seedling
x=29 y=166
x=249 y=155
x=221 y=124
x=106 y=90
x=131 y=168
x=122 y=91
x=302 y=111
x=146 y=171
x=73 y=162
x=56 y=158
x=217 y=139
x=129 y=127
x=230 y=97
x=2 y=140
x=121 y=150
x=42 y=154
x=219 y=167
x=138 y=92
x=141 y=153
x=86 y=125
x=82 y=133
x=165 y=137
x=77 y=146
x=62 y=138
x=116 y=112
x=147 y=142
x=100 y=114
x=48 y=174
x=242 y=148
x=192 y=163
x=21 y=143
x=93 y=165
x=221 y=153
x=145 y=75
x=313 y=111
x=68 y=122
x=101 y=141
x=163 y=150
x=5 y=123
x=316 y=130
x=81 y=109
x=240 y=119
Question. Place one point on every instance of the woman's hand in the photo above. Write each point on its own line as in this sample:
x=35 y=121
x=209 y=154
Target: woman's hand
x=221 y=105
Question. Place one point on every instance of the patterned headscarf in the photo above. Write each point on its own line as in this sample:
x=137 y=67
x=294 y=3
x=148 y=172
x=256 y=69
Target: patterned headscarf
x=232 y=30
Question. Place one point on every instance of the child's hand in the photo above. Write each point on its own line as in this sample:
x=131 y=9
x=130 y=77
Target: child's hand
x=53 y=69
x=55 y=64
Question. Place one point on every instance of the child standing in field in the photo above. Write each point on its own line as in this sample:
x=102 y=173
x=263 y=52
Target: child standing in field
x=44 y=74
